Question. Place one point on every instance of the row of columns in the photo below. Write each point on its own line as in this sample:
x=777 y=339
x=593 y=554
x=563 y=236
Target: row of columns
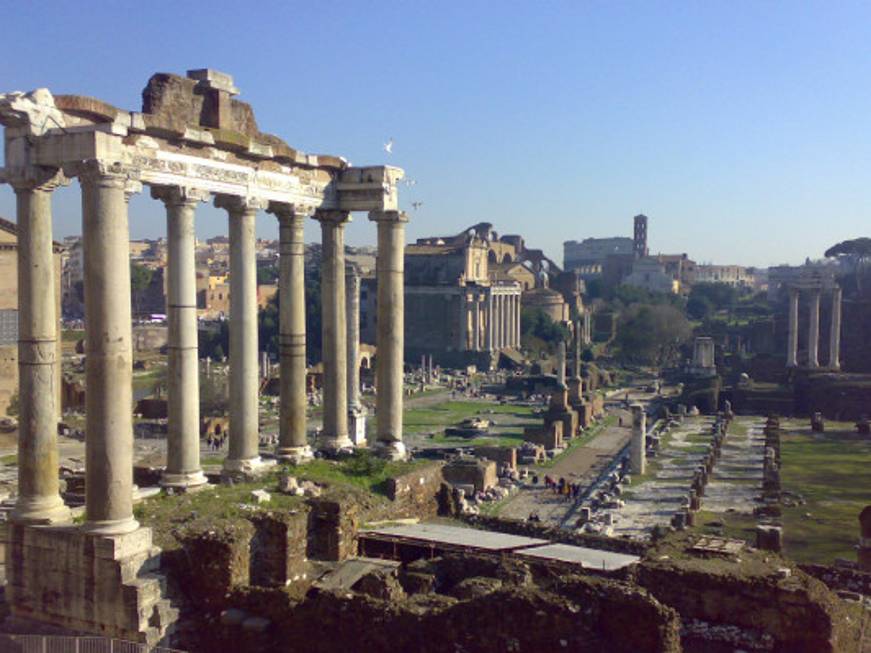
x=489 y=320
x=108 y=369
x=814 y=328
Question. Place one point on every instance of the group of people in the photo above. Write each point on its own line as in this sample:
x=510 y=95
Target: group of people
x=561 y=487
x=216 y=442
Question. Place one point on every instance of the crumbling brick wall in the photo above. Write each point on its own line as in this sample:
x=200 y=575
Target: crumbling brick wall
x=415 y=494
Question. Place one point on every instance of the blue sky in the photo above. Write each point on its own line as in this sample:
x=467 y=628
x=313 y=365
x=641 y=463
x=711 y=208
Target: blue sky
x=743 y=130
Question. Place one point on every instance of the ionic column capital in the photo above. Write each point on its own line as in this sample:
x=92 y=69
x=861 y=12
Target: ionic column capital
x=289 y=213
x=399 y=217
x=107 y=174
x=237 y=205
x=179 y=195
x=34 y=178
x=336 y=218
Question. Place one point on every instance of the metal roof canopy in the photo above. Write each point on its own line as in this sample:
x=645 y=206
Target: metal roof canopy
x=456 y=536
x=588 y=558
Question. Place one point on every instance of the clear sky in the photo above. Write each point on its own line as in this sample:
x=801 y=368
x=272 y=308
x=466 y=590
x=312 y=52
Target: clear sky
x=742 y=129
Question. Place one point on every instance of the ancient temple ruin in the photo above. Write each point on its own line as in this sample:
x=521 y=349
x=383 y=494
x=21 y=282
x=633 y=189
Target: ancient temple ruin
x=191 y=142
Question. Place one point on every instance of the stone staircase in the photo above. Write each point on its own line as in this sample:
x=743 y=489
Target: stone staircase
x=103 y=585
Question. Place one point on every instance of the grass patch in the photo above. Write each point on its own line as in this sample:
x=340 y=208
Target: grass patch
x=585 y=438
x=11 y=459
x=72 y=335
x=735 y=525
x=362 y=470
x=832 y=471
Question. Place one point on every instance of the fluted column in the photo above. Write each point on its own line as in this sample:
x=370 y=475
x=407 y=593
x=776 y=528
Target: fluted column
x=333 y=324
x=183 y=384
x=835 y=330
x=813 y=334
x=792 y=340
x=500 y=321
x=292 y=441
x=38 y=499
x=356 y=409
x=108 y=343
x=561 y=364
x=243 y=457
x=588 y=328
x=517 y=314
x=391 y=331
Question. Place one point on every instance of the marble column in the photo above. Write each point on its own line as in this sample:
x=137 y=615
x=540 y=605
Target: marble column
x=588 y=328
x=490 y=331
x=517 y=315
x=637 y=446
x=813 y=334
x=183 y=384
x=464 y=320
x=38 y=499
x=334 y=335
x=391 y=331
x=243 y=457
x=356 y=409
x=501 y=322
x=108 y=343
x=792 y=341
x=476 y=322
x=835 y=330
x=292 y=441
x=561 y=364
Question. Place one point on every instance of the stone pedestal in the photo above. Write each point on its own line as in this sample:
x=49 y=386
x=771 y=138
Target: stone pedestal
x=106 y=585
x=391 y=331
x=292 y=441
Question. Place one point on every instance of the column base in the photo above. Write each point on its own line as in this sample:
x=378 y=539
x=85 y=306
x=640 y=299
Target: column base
x=110 y=526
x=245 y=468
x=335 y=444
x=392 y=450
x=186 y=481
x=294 y=455
x=40 y=511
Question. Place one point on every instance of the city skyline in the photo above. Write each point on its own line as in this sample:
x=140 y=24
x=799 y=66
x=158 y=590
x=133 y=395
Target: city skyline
x=572 y=120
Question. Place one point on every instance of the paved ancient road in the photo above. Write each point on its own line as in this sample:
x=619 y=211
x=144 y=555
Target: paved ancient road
x=580 y=465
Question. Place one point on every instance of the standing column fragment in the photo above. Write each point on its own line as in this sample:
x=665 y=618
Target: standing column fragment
x=183 y=396
x=637 y=447
x=292 y=441
x=243 y=458
x=38 y=499
x=356 y=409
x=813 y=335
x=835 y=330
x=108 y=343
x=391 y=331
x=792 y=340
x=334 y=334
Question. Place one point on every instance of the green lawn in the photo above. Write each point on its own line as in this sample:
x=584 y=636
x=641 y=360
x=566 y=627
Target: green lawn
x=832 y=471
x=508 y=430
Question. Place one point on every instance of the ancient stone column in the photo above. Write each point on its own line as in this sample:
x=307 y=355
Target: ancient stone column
x=356 y=409
x=38 y=499
x=391 y=331
x=561 y=364
x=108 y=343
x=476 y=322
x=813 y=334
x=835 y=330
x=183 y=383
x=637 y=452
x=517 y=315
x=292 y=442
x=244 y=453
x=464 y=321
x=490 y=327
x=502 y=322
x=792 y=343
x=334 y=335
x=588 y=328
